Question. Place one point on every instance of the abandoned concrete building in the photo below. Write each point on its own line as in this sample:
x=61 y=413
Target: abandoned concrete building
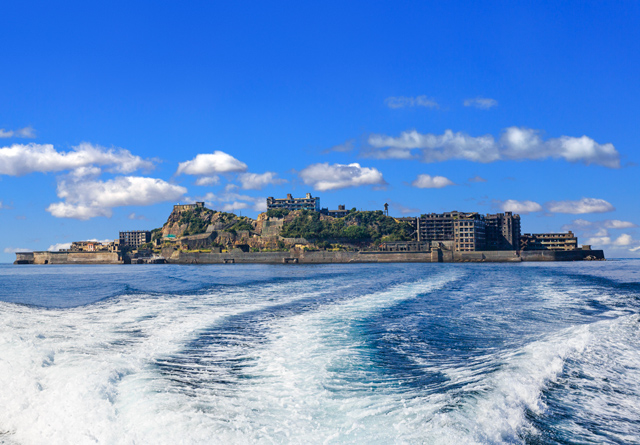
x=502 y=231
x=134 y=238
x=341 y=212
x=291 y=203
x=549 y=241
x=185 y=207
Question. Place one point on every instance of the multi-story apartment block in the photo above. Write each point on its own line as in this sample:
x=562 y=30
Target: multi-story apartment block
x=134 y=238
x=463 y=232
x=469 y=231
x=291 y=203
x=549 y=241
x=502 y=231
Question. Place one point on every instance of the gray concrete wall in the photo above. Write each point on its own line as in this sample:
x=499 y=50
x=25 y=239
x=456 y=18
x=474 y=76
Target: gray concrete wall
x=75 y=258
x=314 y=257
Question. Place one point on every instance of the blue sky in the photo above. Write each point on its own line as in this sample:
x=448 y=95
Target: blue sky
x=112 y=113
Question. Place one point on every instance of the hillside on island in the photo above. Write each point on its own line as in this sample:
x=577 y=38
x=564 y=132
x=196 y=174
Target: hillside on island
x=200 y=228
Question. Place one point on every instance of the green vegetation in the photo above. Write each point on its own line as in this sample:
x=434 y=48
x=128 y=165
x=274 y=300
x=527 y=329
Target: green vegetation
x=243 y=224
x=277 y=213
x=356 y=227
x=194 y=219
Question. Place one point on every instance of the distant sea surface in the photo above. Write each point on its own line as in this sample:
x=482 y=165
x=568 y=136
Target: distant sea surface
x=394 y=353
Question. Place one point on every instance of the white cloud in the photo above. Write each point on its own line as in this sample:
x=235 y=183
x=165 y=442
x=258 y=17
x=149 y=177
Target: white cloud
x=87 y=199
x=58 y=246
x=431 y=182
x=624 y=241
x=323 y=177
x=599 y=241
x=435 y=148
x=77 y=211
x=211 y=163
x=584 y=205
x=21 y=159
x=477 y=179
x=418 y=101
x=1 y=207
x=257 y=181
x=26 y=132
x=515 y=143
x=16 y=249
x=230 y=202
x=342 y=148
x=524 y=207
x=484 y=103
x=135 y=216
x=598 y=226
x=208 y=180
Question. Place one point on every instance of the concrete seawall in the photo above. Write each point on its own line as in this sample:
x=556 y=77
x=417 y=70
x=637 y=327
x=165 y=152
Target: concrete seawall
x=321 y=257
x=68 y=258
x=315 y=257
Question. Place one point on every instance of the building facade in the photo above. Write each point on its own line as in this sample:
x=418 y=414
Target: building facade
x=134 y=238
x=549 y=241
x=291 y=203
x=185 y=207
x=340 y=213
x=468 y=232
x=502 y=231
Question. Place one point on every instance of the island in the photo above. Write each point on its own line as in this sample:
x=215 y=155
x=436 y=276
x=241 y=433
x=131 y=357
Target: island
x=299 y=231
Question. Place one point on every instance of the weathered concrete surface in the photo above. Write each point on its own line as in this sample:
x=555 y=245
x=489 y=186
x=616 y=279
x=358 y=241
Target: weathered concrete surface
x=313 y=257
x=320 y=257
x=68 y=258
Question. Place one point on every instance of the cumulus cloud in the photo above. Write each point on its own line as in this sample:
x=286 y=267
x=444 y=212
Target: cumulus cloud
x=26 y=132
x=477 y=179
x=596 y=226
x=584 y=205
x=231 y=202
x=86 y=199
x=624 y=241
x=211 y=163
x=21 y=159
x=58 y=246
x=418 y=101
x=16 y=249
x=323 y=177
x=208 y=180
x=257 y=181
x=431 y=182
x=515 y=143
x=347 y=146
x=524 y=207
x=484 y=103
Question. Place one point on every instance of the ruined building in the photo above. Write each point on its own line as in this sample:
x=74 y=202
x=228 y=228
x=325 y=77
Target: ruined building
x=291 y=203
x=549 y=241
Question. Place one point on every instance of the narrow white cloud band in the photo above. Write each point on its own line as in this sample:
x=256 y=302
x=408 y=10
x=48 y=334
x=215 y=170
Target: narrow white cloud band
x=21 y=159
x=515 y=143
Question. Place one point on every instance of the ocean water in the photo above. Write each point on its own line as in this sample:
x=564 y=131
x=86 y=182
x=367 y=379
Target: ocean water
x=395 y=353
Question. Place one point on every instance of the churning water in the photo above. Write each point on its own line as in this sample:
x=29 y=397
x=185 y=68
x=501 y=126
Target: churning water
x=400 y=353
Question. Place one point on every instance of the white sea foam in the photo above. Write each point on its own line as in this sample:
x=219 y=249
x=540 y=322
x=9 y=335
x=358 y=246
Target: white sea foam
x=307 y=373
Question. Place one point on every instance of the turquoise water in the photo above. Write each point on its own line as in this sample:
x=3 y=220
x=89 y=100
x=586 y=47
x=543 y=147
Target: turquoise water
x=400 y=353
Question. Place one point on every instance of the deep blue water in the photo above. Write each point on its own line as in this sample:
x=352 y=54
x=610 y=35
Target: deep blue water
x=400 y=353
